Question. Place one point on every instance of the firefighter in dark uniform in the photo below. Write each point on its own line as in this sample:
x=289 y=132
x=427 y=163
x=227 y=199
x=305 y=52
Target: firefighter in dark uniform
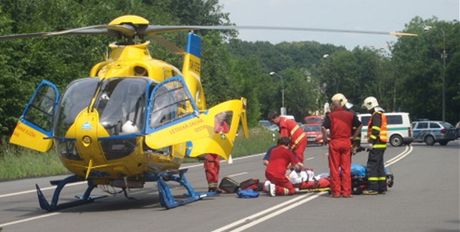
x=377 y=138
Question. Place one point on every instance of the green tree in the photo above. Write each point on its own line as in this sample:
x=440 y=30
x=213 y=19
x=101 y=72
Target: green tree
x=419 y=65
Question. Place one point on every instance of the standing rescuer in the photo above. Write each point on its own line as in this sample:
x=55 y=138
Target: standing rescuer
x=340 y=123
x=377 y=138
x=289 y=128
x=212 y=161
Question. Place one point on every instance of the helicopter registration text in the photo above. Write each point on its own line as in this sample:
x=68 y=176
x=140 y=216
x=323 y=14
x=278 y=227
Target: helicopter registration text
x=21 y=129
x=188 y=125
x=30 y=137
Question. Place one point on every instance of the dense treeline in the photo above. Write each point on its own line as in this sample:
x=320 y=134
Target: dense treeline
x=408 y=79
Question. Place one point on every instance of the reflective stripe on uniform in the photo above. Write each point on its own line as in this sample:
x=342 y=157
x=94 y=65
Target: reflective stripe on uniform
x=286 y=191
x=375 y=128
x=298 y=140
x=379 y=145
x=294 y=129
x=212 y=185
x=373 y=137
x=376 y=178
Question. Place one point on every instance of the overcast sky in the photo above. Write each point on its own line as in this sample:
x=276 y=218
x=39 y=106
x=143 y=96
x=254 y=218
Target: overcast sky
x=375 y=15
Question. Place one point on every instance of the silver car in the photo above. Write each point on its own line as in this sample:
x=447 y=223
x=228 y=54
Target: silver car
x=431 y=132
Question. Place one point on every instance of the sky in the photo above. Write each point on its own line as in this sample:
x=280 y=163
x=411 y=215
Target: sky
x=375 y=15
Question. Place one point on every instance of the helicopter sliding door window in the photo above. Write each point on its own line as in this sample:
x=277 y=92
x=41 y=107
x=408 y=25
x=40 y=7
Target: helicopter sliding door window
x=36 y=121
x=40 y=110
x=170 y=101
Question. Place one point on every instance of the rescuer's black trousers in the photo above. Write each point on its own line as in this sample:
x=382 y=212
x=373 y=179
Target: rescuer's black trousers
x=376 y=170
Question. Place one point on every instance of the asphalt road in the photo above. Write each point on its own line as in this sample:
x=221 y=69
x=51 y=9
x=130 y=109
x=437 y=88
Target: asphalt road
x=425 y=197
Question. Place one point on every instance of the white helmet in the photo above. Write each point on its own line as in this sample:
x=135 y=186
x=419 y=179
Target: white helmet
x=370 y=103
x=340 y=98
x=129 y=128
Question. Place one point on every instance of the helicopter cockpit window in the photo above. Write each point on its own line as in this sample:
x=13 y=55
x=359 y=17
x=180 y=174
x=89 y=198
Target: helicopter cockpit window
x=121 y=105
x=40 y=111
x=170 y=102
x=77 y=96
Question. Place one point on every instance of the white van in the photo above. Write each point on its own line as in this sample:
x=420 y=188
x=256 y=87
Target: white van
x=398 y=125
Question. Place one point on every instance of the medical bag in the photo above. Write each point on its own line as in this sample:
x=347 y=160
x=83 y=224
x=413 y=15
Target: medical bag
x=252 y=183
x=229 y=185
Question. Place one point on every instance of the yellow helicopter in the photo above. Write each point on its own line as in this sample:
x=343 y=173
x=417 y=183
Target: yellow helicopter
x=133 y=120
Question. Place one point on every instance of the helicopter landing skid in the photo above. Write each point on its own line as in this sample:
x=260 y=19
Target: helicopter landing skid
x=85 y=198
x=167 y=199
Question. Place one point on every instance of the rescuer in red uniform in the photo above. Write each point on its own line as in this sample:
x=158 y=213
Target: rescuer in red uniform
x=289 y=128
x=340 y=123
x=281 y=159
x=212 y=161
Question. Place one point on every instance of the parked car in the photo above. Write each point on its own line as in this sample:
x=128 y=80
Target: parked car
x=268 y=125
x=313 y=119
x=457 y=127
x=431 y=132
x=398 y=125
x=313 y=133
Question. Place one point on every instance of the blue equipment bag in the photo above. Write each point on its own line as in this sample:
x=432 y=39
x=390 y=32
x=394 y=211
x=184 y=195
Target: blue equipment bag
x=358 y=170
x=247 y=193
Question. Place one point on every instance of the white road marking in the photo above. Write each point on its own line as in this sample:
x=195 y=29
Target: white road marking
x=405 y=150
x=237 y=174
x=276 y=213
x=310 y=158
x=273 y=208
x=28 y=219
x=43 y=189
x=400 y=156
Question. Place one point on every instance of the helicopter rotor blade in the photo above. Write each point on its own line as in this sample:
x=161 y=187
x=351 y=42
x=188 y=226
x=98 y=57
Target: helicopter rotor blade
x=95 y=29
x=154 y=29
x=124 y=29
x=22 y=36
x=130 y=31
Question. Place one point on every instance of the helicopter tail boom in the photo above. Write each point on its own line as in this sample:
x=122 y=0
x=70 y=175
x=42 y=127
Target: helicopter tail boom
x=192 y=69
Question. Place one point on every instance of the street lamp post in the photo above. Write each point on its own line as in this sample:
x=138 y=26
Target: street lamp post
x=283 y=109
x=443 y=77
x=443 y=57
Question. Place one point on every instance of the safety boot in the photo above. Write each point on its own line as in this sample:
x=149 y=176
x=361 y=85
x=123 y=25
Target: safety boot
x=370 y=192
x=272 y=190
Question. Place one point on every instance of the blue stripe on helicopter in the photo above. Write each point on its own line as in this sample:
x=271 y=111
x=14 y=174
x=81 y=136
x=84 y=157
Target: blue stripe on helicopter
x=193 y=45
x=114 y=137
x=188 y=150
x=35 y=127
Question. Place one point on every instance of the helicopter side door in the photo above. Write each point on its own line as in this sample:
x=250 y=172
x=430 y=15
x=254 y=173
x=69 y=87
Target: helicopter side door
x=36 y=122
x=172 y=115
x=225 y=119
x=173 y=118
